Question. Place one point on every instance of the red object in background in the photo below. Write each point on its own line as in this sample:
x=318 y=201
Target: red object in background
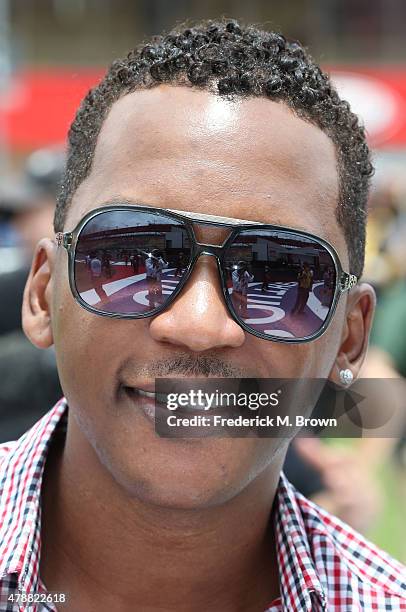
x=378 y=96
x=40 y=105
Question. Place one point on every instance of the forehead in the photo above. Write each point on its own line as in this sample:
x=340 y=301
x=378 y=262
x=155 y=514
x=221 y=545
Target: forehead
x=178 y=147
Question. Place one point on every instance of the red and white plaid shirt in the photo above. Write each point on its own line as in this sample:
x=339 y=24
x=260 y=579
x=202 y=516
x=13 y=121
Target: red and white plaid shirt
x=323 y=563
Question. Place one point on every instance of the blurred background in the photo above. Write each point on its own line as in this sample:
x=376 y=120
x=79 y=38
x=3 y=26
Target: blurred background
x=53 y=51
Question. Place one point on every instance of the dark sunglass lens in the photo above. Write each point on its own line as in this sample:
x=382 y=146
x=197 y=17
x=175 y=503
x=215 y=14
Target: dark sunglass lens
x=130 y=262
x=280 y=283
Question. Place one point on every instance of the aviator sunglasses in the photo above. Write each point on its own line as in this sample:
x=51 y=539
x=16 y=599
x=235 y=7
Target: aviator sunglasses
x=131 y=262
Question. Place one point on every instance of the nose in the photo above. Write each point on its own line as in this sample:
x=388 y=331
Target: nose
x=198 y=319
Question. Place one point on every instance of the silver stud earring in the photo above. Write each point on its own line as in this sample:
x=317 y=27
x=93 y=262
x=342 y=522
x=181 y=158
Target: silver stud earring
x=346 y=376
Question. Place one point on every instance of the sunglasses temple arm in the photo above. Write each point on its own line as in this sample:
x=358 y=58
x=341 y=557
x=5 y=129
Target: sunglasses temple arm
x=64 y=240
x=347 y=281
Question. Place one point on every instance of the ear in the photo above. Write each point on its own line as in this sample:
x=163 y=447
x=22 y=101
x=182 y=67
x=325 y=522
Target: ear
x=360 y=310
x=36 y=311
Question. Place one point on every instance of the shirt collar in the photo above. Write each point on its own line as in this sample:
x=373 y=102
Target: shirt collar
x=299 y=582
x=20 y=520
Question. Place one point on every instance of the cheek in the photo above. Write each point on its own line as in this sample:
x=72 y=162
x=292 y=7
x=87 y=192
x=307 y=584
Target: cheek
x=309 y=360
x=81 y=359
x=278 y=360
x=83 y=344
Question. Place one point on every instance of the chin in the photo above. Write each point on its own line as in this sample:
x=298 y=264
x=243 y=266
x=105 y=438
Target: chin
x=174 y=473
x=187 y=476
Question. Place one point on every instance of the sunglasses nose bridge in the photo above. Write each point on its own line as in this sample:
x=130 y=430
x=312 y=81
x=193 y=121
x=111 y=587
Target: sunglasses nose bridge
x=213 y=250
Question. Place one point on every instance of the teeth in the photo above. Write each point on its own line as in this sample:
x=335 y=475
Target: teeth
x=161 y=398
x=146 y=393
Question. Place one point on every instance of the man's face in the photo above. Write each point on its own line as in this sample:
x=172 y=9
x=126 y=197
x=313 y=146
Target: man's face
x=174 y=147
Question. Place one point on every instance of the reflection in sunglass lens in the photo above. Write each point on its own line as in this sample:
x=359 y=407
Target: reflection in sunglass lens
x=130 y=262
x=280 y=283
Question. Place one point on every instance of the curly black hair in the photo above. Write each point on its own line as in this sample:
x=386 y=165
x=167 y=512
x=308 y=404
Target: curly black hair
x=233 y=60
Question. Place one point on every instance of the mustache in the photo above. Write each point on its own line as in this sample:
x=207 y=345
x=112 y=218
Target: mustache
x=186 y=365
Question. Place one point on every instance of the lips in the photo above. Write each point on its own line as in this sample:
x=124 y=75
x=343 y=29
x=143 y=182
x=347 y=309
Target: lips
x=155 y=405
x=145 y=400
x=154 y=401
x=160 y=398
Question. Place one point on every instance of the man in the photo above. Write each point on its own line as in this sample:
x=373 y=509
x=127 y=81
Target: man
x=267 y=279
x=181 y=265
x=215 y=119
x=95 y=267
x=241 y=278
x=134 y=262
x=327 y=287
x=305 y=281
x=154 y=264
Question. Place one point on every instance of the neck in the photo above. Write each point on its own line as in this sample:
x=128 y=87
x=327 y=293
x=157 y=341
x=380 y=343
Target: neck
x=100 y=544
